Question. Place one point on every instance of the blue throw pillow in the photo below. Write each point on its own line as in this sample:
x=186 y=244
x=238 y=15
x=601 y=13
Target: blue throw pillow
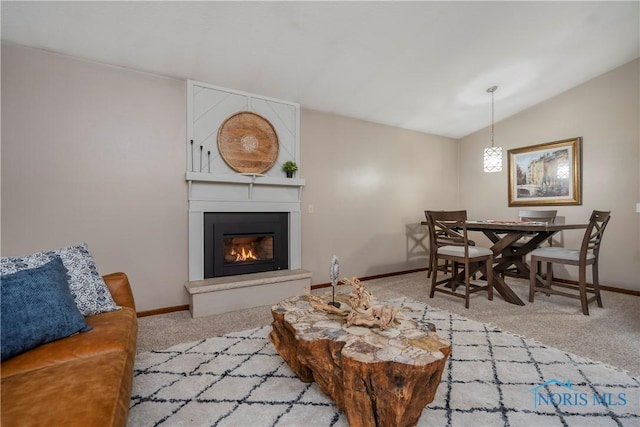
x=37 y=308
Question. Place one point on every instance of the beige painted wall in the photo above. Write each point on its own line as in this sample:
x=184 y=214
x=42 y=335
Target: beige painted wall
x=369 y=185
x=96 y=153
x=605 y=113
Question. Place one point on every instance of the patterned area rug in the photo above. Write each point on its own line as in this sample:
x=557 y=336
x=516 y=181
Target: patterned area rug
x=492 y=378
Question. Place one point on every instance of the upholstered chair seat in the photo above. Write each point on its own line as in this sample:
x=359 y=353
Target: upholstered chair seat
x=474 y=251
x=561 y=253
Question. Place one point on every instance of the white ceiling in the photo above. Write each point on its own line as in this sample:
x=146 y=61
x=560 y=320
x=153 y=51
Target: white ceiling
x=417 y=65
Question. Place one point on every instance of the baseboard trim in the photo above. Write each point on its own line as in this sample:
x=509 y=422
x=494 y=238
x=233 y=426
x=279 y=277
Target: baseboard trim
x=602 y=287
x=164 y=310
x=377 y=276
x=380 y=276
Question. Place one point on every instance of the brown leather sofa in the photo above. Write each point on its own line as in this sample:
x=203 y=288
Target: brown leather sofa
x=83 y=380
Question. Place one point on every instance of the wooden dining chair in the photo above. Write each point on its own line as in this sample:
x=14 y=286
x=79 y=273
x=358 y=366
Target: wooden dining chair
x=434 y=266
x=548 y=216
x=448 y=233
x=587 y=255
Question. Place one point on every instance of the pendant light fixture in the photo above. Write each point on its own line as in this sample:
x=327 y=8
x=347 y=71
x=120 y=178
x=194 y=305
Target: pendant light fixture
x=492 y=155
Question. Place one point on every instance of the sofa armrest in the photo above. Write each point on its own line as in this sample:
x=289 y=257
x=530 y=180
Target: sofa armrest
x=118 y=284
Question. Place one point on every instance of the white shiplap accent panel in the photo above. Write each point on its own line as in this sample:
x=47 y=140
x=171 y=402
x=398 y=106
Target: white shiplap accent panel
x=209 y=106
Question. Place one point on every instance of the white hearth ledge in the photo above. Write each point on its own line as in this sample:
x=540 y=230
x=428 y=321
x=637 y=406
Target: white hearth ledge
x=224 y=294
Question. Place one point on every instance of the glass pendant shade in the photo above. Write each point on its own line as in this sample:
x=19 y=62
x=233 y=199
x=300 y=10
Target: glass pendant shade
x=493 y=159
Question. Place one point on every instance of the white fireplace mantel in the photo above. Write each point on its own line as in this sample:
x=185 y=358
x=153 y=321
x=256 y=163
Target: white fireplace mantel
x=247 y=180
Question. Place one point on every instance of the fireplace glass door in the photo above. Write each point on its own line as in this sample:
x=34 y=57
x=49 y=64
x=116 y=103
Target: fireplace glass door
x=248 y=249
x=241 y=243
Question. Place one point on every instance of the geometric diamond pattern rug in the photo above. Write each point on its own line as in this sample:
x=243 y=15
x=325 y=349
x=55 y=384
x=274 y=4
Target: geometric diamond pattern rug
x=492 y=378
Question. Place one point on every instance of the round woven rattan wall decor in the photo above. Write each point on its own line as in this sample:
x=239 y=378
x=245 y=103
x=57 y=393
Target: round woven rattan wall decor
x=248 y=143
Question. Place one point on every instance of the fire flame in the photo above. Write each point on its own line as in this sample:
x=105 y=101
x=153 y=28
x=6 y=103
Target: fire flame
x=243 y=255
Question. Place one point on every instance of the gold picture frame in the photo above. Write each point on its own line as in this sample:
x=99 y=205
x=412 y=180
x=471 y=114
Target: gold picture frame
x=546 y=174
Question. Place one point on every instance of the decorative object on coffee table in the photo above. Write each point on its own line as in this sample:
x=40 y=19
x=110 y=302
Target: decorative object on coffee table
x=366 y=311
x=334 y=274
x=248 y=143
x=378 y=377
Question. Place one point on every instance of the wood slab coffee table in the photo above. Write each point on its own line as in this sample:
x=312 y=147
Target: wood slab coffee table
x=377 y=377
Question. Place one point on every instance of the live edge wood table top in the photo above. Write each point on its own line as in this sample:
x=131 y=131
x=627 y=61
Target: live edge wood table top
x=377 y=377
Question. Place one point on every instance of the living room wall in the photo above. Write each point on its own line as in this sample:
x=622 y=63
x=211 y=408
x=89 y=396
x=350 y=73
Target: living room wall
x=369 y=185
x=93 y=153
x=605 y=113
x=96 y=153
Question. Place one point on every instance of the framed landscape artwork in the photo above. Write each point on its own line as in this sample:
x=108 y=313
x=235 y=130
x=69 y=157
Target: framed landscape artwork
x=546 y=174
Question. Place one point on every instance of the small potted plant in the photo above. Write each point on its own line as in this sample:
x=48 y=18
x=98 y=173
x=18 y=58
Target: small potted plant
x=290 y=167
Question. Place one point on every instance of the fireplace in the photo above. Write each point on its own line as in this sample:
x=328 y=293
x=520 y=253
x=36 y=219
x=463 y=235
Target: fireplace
x=245 y=242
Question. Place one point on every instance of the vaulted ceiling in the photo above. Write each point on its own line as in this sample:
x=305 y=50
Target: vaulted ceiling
x=421 y=65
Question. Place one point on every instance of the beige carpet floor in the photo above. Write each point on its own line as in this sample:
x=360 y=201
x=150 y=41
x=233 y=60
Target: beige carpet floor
x=609 y=335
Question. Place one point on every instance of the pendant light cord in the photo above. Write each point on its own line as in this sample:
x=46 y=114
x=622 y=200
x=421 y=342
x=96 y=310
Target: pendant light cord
x=492 y=90
x=492 y=121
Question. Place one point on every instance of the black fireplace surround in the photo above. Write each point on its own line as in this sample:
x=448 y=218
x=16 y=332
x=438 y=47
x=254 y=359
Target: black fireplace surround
x=265 y=234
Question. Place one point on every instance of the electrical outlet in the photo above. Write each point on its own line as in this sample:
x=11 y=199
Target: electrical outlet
x=310 y=209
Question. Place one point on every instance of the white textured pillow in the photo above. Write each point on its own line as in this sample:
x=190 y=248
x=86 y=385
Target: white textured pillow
x=90 y=292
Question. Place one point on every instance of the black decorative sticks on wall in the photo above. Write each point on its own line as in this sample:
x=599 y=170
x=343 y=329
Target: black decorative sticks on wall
x=193 y=163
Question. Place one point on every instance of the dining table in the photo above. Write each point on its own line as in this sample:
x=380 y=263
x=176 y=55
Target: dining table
x=503 y=234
